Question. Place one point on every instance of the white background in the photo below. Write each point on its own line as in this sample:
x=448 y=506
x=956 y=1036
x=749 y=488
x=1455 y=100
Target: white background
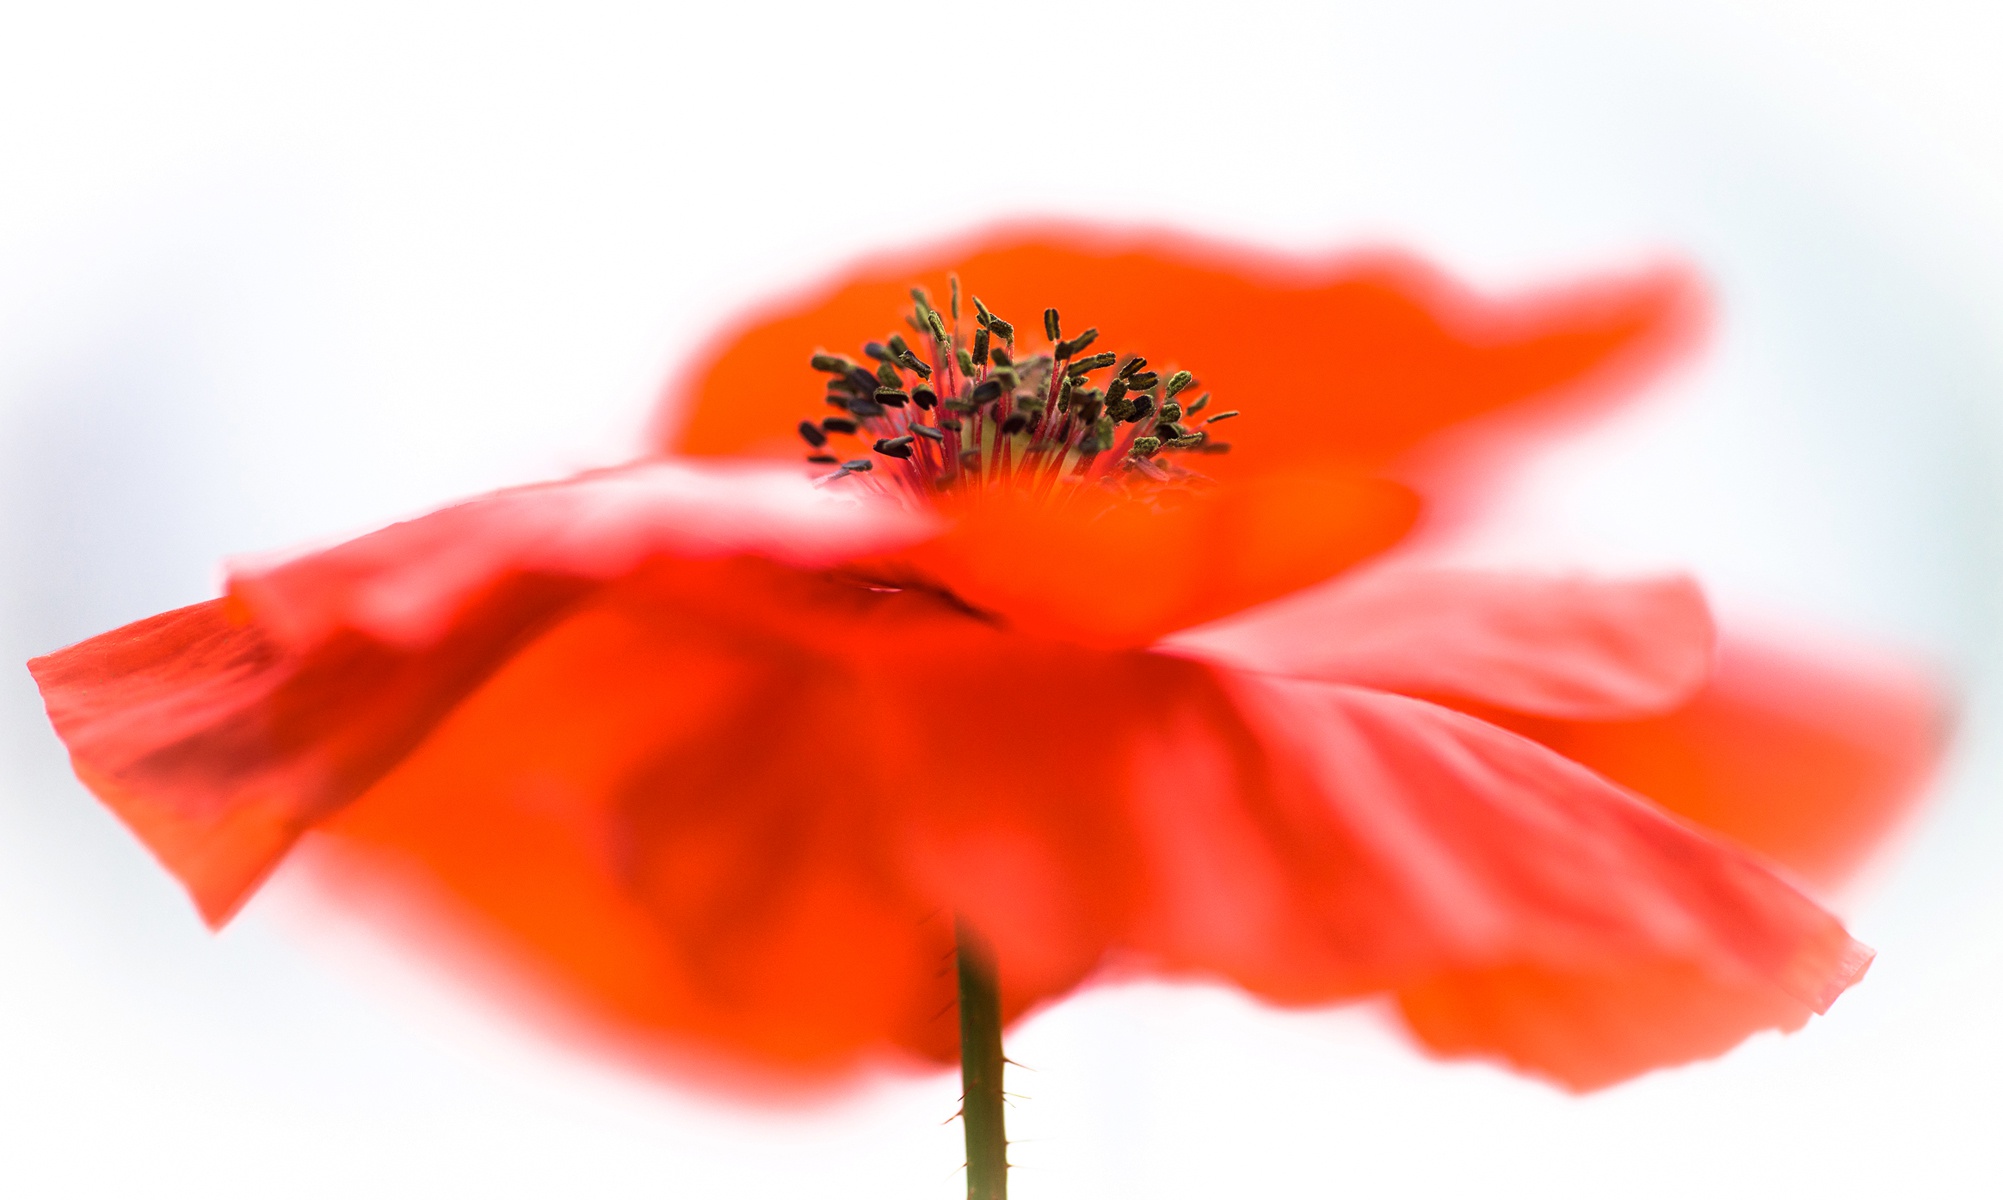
x=270 y=273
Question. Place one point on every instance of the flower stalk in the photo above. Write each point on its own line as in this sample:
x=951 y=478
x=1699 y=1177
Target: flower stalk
x=981 y=1067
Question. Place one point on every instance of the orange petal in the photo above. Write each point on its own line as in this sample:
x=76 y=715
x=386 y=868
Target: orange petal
x=217 y=746
x=1125 y=575
x=734 y=807
x=1567 y=647
x=1344 y=357
x=1808 y=757
x=221 y=731
x=404 y=585
x=1520 y=906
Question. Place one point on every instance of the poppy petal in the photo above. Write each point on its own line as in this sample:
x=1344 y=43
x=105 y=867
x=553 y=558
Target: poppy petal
x=405 y=584
x=1128 y=574
x=734 y=805
x=1809 y=756
x=666 y=815
x=1565 y=647
x=220 y=732
x=1519 y=906
x=1332 y=358
x=218 y=746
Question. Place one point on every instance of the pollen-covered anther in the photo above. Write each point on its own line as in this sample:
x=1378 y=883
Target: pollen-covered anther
x=971 y=411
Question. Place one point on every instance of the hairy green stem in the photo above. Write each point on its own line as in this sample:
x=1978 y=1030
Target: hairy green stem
x=981 y=1068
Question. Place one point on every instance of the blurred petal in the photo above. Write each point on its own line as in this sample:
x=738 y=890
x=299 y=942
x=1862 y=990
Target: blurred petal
x=1126 y=575
x=221 y=731
x=405 y=584
x=1809 y=757
x=218 y=746
x=1567 y=647
x=1520 y=906
x=1332 y=358
x=736 y=805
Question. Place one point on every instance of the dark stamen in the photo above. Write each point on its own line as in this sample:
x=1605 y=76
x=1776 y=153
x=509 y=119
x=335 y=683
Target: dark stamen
x=1060 y=424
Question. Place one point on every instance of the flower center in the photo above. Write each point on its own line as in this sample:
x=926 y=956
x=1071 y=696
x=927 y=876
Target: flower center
x=969 y=415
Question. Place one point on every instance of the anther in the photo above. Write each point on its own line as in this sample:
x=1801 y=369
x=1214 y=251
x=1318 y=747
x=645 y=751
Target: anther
x=1067 y=349
x=901 y=354
x=1013 y=394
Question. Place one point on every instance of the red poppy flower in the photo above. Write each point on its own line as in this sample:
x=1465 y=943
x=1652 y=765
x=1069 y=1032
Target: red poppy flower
x=714 y=755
